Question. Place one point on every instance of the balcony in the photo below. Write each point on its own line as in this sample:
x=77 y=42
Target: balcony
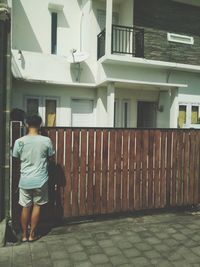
x=125 y=41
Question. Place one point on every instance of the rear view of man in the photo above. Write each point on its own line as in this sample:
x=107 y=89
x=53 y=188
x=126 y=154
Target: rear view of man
x=33 y=150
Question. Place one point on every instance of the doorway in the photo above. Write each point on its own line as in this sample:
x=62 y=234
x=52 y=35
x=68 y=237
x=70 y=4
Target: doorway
x=146 y=114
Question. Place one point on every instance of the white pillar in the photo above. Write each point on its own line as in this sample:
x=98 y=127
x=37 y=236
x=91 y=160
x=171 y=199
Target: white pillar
x=174 y=108
x=109 y=8
x=110 y=104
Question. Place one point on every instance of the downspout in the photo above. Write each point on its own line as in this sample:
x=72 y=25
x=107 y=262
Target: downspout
x=5 y=95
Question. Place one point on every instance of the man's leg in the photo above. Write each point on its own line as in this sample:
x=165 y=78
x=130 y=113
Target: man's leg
x=34 y=221
x=24 y=221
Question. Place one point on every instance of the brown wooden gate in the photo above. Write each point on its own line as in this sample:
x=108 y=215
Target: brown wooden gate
x=105 y=171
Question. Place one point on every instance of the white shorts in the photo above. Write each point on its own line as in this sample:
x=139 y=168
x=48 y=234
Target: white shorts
x=28 y=197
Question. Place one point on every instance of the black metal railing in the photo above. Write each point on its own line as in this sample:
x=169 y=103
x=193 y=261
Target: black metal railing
x=101 y=41
x=125 y=40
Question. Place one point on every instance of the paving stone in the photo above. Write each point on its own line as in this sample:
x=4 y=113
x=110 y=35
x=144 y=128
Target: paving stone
x=78 y=256
x=162 y=248
x=151 y=254
x=196 y=250
x=74 y=248
x=43 y=262
x=118 y=260
x=125 y=244
x=132 y=252
x=143 y=246
x=88 y=242
x=99 y=259
x=171 y=242
x=83 y=264
x=70 y=241
x=153 y=240
x=112 y=251
x=60 y=254
x=140 y=261
x=62 y=263
x=106 y=243
x=94 y=250
x=179 y=237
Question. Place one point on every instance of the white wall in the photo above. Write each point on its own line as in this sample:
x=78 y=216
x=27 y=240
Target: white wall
x=63 y=93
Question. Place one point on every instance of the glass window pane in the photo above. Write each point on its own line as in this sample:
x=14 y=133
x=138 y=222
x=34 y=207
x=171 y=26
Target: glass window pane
x=50 y=107
x=125 y=114
x=182 y=116
x=195 y=114
x=32 y=106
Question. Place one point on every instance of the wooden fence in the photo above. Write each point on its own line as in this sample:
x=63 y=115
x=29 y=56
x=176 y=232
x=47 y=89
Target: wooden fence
x=102 y=171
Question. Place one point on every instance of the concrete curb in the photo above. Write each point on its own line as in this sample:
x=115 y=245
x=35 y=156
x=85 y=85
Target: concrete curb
x=2 y=233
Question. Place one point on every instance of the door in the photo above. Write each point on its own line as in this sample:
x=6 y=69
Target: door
x=82 y=113
x=146 y=114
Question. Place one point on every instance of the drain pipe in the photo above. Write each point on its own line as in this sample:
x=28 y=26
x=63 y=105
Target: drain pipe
x=5 y=103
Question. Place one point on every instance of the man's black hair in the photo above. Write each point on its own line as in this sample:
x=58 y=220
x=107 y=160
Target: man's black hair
x=17 y=114
x=34 y=121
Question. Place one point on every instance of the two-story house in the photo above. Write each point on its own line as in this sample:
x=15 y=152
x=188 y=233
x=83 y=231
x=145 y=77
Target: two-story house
x=107 y=63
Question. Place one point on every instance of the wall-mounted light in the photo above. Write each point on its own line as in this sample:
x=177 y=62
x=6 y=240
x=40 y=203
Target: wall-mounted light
x=19 y=55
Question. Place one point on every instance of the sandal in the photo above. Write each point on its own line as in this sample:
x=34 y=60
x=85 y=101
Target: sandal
x=34 y=239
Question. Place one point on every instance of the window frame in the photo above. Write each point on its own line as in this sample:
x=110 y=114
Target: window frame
x=54 y=32
x=189 y=106
x=42 y=106
x=124 y=101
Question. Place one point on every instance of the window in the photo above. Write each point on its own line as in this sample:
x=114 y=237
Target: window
x=50 y=109
x=195 y=114
x=116 y=113
x=189 y=114
x=182 y=116
x=54 y=22
x=177 y=38
x=32 y=106
x=101 y=18
x=82 y=113
x=45 y=107
x=125 y=113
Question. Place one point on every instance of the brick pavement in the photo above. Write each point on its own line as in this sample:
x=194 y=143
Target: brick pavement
x=164 y=240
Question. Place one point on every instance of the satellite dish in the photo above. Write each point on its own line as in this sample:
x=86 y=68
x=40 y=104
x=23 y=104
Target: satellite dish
x=77 y=57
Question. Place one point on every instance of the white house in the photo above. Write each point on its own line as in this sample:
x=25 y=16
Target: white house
x=139 y=65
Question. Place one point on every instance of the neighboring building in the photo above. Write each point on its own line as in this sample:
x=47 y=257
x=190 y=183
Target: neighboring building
x=142 y=70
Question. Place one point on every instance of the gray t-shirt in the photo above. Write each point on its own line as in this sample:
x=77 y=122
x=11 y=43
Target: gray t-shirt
x=33 y=152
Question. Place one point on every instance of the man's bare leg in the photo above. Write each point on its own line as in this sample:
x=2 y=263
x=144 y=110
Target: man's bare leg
x=34 y=221
x=24 y=222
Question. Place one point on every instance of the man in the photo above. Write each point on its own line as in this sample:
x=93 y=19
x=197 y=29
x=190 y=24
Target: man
x=33 y=150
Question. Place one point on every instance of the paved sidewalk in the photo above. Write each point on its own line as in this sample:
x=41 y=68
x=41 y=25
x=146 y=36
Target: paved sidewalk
x=158 y=240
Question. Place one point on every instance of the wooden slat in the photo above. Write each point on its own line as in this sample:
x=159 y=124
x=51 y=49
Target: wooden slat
x=59 y=173
x=82 y=205
x=75 y=181
x=52 y=136
x=68 y=164
x=118 y=169
x=179 y=169
x=191 y=168
x=145 y=147
x=125 y=170
x=169 y=168
x=104 y=172
x=186 y=167
x=90 y=187
x=98 y=172
x=111 y=172
x=132 y=170
x=150 y=170
x=138 y=200
x=163 y=170
x=157 y=173
x=174 y=169
x=196 y=168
